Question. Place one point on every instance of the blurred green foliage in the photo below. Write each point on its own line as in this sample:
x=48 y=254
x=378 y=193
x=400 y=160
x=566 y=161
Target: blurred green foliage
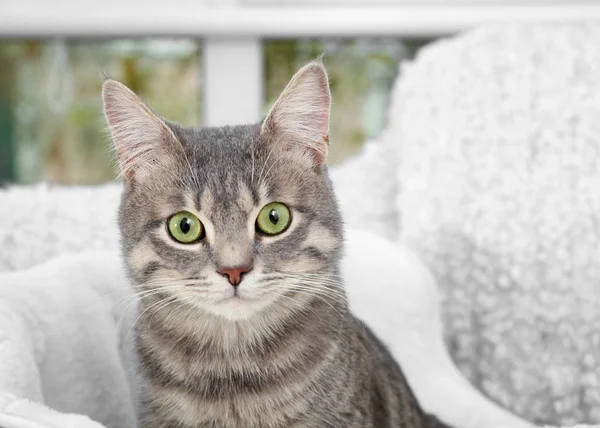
x=361 y=75
x=59 y=130
x=51 y=122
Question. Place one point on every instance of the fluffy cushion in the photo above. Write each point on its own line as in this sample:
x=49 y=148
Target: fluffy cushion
x=42 y=221
x=498 y=134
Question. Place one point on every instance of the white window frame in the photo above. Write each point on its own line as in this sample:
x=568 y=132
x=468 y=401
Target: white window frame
x=232 y=31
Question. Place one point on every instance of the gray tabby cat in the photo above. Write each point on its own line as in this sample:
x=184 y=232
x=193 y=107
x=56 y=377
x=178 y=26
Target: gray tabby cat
x=233 y=238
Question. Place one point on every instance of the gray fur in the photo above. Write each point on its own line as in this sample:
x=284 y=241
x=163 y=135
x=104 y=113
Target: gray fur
x=302 y=360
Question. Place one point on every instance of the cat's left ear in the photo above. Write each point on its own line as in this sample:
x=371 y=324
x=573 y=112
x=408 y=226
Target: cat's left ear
x=299 y=120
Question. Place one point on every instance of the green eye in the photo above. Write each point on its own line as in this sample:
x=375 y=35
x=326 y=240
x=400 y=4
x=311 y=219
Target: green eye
x=273 y=219
x=185 y=227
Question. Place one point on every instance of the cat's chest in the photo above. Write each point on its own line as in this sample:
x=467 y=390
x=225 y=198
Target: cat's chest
x=200 y=390
x=229 y=400
x=274 y=383
x=191 y=410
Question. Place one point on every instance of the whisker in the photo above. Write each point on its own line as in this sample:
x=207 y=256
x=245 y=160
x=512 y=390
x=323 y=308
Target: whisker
x=334 y=297
x=274 y=145
x=138 y=295
x=321 y=298
x=161 y=307
x=168 y=299
x=272 y=165
x=280 y=295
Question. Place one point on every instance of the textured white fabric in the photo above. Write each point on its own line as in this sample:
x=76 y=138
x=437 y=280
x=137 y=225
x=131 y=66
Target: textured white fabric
x=66 y=342
x=39 y=222
x=498 y=139
x=367 y=186
x=16 y=412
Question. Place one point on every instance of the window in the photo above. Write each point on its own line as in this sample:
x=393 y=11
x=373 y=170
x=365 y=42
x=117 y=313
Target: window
x=361 y=72
x=51 y=122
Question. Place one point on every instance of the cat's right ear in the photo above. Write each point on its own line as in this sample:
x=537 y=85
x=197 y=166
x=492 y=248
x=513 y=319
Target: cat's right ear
x=140 y=137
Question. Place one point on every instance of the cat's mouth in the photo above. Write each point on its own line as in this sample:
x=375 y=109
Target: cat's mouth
x=238 y=306
x=237 y=298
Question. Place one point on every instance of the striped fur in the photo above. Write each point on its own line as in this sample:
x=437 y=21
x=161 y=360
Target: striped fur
x=286 y=352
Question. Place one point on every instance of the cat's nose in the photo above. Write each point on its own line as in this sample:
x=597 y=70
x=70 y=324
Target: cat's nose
x=235 y=274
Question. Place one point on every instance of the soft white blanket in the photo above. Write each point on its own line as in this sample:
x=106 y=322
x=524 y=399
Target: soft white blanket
x=64 y=342
x=498 y=142
x=66 y=330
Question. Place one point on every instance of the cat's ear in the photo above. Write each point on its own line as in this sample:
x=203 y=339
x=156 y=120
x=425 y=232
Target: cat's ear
x=299 y=119
x=141 y=138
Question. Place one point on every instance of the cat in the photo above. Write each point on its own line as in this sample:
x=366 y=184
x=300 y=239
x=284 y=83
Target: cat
x=233 y=238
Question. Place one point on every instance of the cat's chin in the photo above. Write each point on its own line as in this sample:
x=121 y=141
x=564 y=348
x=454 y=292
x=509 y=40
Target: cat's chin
x=236 y=308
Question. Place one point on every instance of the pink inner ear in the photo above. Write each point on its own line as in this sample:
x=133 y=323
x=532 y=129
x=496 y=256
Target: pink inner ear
x=300 y=117
x=136 y=131
x=321 y=113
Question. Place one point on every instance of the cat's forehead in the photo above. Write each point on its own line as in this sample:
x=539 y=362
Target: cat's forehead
x=228 y=163
x=218 y=157
x=213 y=143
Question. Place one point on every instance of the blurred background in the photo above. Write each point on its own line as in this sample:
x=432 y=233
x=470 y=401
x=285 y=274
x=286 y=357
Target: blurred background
x=209 y=62
x=51 y=122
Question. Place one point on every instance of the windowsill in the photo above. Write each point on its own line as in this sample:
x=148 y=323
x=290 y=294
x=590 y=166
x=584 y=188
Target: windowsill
x=184 y=17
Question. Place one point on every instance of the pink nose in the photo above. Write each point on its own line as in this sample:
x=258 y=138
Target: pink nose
x=235 y=274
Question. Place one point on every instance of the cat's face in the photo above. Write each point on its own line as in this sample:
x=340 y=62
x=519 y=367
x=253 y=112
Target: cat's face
x=232 y=220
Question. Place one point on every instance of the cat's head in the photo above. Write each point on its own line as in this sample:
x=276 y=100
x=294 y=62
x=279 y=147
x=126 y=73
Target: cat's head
x=233 y=220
